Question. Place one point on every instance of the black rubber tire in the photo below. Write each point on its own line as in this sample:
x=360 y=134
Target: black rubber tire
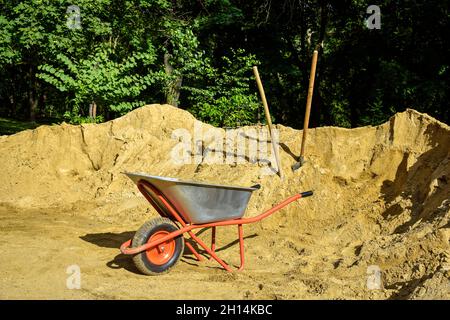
x=141 y=237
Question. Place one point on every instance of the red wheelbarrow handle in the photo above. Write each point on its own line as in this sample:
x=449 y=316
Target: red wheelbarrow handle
x=125 y=247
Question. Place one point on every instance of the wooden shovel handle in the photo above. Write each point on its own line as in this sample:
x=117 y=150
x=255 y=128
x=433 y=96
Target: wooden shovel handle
x=268 y=119
x=263 y=98
x=312 y=75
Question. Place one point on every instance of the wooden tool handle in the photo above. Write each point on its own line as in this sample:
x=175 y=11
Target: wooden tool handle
x=312 y=75
x=268 y=119
x=263 y=97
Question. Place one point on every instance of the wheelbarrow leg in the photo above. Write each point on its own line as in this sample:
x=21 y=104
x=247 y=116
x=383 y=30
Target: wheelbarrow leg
x=194 y=252
x=241 y=246
x=213 y=240
x=211 y=253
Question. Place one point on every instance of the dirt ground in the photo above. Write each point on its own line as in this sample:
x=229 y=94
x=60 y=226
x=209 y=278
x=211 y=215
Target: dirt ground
x=382 y=200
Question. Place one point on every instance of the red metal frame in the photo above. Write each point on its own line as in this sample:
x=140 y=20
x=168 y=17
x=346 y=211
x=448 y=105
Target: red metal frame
x=186 y=227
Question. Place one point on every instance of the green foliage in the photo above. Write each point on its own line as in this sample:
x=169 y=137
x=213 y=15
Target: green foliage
x=186 y=57
x=375 y=113
x=10 y=126
x=340 y=113
x=131 y=52
x=111 y=84
x=75 y=118
x=7 y=53
x=227 y=98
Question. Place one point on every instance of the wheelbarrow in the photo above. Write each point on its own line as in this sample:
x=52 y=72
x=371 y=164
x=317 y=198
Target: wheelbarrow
x=185 y=206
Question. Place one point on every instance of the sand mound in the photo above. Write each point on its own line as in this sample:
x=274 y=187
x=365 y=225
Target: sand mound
x=382 y=194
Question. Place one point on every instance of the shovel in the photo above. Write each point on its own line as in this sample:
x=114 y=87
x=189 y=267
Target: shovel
x=268 y=119
x=301 y=159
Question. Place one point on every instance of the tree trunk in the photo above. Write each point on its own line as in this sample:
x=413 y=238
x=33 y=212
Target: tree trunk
x=32 y=99
x=93 y=110
x=33 y=103
x=12 y=96
x=317 y=98
x=174 y=87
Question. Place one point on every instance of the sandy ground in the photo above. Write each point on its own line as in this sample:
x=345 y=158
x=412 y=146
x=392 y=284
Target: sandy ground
x=381 y=201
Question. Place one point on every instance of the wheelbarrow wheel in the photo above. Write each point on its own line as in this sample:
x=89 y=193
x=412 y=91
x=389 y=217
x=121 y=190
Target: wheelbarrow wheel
x=161 y=258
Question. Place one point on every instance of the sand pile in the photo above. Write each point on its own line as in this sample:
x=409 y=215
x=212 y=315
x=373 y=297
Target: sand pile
x=382 y=194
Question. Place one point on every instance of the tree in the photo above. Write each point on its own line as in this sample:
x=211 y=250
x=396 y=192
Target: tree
x=363 y=75
x=225 y=98
x=112 y=85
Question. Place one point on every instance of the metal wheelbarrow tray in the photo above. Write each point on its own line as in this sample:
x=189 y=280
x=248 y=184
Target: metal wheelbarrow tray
x=185 y=206
x=198 y=202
